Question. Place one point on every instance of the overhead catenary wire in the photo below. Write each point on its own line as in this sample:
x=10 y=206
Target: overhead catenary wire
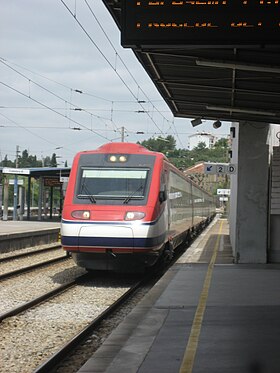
x=81 y=118
x=79 y=90
x=57 y=112
x=76 y=107
x=124 y=64
x=107 y=60
x=26 y=129
x=59 y=127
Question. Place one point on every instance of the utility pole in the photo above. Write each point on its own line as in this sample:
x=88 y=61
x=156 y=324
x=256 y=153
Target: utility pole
x=122 y=134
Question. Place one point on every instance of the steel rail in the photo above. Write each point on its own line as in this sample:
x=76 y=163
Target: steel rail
x=65 y=350
x=25 y=306
x=29 y=253
x=20 y=271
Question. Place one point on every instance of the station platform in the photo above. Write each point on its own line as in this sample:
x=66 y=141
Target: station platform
x=21 y=234
x=206 y=314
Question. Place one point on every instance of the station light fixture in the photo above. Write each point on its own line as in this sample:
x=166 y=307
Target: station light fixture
x=217 y=124
x=196 y=121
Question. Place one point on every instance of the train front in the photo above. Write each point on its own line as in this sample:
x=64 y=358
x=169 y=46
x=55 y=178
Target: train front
x=111 y=220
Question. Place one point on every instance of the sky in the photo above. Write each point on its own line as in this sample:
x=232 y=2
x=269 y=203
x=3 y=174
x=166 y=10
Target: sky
x=67 y=85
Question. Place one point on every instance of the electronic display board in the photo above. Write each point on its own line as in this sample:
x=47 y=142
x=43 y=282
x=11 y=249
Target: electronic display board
x=209 y=23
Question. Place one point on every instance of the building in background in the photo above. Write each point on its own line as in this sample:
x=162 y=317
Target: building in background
x=208 y=182
x=205 y=137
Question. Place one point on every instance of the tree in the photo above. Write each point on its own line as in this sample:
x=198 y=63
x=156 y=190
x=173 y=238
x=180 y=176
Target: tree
x=221 y=143
x=53 y=162
x=7 y=163
x=25 y=160
x=200 y=146
x=160 y=144
x=47 y=161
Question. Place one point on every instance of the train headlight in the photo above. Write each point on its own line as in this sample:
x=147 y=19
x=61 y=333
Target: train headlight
x=81 y=214
x=122 y=158
x=117 y=158
x=113 y=158
x=134 y=215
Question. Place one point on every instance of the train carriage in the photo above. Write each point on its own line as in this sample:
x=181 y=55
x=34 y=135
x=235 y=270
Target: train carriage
x=126 y=207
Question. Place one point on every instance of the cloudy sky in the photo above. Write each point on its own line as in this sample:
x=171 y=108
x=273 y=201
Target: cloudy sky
x=67 y=85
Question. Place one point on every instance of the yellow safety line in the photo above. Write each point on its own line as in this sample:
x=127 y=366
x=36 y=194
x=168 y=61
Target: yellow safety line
x=190 y=352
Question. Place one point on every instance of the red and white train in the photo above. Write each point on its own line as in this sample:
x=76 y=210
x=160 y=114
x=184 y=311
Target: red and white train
x=126 y=207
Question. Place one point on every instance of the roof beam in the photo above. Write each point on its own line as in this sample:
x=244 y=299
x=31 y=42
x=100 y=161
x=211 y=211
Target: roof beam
x=190 y=86
x=238 y=66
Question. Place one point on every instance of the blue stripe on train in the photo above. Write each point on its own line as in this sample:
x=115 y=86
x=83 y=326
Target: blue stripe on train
x=113 y=242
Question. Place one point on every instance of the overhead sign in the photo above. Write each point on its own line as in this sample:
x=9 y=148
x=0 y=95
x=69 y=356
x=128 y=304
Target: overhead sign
x=223 y=192
x=223 y=199
x=51 y=182
x=64 y=179
x=211 y=23
x=16 y=171
x=12 y=182
x=220 y=168
x=232 y=169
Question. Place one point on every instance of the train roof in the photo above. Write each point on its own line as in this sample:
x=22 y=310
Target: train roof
x=123 y=147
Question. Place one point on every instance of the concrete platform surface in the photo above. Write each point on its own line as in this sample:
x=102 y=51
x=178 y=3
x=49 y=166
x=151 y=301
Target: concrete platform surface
x=205 y=315
x=16 y=235
x=9 y=227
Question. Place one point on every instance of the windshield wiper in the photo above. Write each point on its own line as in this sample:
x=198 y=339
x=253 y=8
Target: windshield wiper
x=128 y=198
x=88 y=195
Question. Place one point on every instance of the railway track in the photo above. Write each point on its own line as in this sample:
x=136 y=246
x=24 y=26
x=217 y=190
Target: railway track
x=37 y=300
x=28 y=253
x=35 y=335
x=24 y=262
x=72 y=344
x=41 y=337
x=19 y=291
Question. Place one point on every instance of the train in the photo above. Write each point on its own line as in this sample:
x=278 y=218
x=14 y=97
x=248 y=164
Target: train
x=127 y=208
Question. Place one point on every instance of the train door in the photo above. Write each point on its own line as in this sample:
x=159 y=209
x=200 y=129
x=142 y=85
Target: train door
x=164 y=187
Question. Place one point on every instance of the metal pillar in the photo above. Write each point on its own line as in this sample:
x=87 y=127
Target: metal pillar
x=51 y=203
x=40 y=199
x=15 y=198
x=28 y=197
x=6 y=198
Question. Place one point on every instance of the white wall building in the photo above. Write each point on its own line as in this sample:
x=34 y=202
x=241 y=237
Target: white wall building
x=198 y=137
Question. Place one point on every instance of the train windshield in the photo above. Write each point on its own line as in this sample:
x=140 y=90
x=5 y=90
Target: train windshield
x=112 y=183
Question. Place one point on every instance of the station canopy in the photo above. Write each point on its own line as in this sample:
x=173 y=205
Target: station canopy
x=36 y=172
x=216 y=60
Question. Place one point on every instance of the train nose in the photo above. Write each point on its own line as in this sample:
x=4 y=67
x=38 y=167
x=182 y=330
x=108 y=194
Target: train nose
x=103 y=236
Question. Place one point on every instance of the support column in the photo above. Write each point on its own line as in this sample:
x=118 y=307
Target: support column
x=274 y=247
x=40 y=197
x=6 y=198
x=28 y=197
x=249 y=201
x=51 y=203
x=15 y=204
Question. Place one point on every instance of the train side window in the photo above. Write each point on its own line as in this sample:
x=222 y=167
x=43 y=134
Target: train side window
x=162 y=190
